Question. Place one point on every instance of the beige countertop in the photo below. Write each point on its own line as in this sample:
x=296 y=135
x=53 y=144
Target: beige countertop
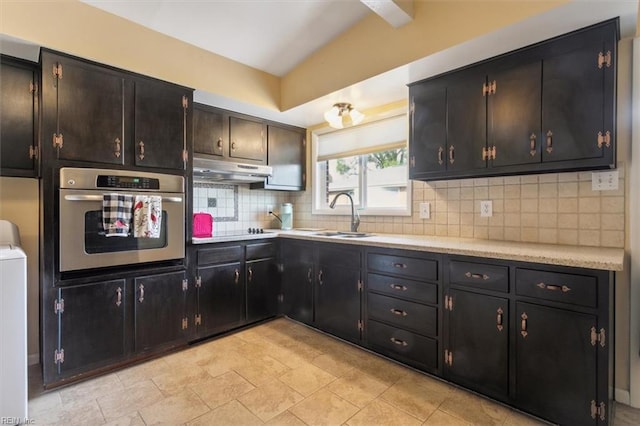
x=610 y=259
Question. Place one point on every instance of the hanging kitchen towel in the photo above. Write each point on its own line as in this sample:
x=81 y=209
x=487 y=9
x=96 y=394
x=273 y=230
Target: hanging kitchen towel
x=116 y=214
x=147 y=216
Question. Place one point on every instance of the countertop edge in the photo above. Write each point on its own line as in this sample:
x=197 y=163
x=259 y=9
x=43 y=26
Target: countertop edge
x=601 y=258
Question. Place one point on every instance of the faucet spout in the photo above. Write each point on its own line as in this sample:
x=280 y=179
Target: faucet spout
x=355 y=217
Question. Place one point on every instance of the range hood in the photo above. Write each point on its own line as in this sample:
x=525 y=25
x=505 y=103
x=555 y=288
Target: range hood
x=206 y=169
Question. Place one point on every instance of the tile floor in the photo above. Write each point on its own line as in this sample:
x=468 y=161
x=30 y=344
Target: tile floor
x=278 y=373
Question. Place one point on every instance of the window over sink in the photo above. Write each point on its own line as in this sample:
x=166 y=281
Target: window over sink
x=369 y=162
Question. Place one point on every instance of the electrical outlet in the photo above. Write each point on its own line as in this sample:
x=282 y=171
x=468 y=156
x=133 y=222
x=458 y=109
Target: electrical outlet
x=269 y=209
x=425 y=211
x=486 y=208
x=604 y=181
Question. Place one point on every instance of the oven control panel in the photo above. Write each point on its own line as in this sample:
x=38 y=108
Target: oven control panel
x=127 y=182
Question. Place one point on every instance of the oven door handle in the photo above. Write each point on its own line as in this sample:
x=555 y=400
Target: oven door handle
x=70 y=197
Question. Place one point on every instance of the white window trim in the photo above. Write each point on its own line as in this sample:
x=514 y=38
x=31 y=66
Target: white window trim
x=318 y=208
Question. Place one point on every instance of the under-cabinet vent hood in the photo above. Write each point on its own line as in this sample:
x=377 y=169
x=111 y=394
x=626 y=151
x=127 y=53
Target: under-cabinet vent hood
x=210 y=170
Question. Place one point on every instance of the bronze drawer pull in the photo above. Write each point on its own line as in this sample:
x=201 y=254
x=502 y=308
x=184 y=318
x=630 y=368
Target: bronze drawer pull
x=549 y=141
x=398 y=287
x=236 y=276
x=250 y=274
x=452 y=154
x=399 y=342
x=523 y=324
x=440 y=152
x=399 y=265
x=477 y=276
x=141 y=298
x=532 y=145
x=320 y=277
x=141 y=150
x=552 y=287
x=398 y=312
x=499 y=319
x=309 y=275
x=219 y=143
x=119 y=293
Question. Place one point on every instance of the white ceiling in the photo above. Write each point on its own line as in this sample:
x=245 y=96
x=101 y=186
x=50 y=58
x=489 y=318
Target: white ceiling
x=275 y=35
x=270 y=35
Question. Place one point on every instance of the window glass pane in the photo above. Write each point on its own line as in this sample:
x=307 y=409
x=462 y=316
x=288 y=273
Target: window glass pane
x=343 y=175
x=387 y=179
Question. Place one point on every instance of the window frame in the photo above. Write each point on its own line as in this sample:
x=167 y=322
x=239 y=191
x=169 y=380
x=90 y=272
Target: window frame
x=321 y=207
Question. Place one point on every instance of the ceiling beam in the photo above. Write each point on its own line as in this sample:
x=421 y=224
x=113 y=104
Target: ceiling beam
x=396 y=12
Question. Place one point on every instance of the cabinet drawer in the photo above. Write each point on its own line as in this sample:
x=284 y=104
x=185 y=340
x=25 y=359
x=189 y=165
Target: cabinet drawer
x=412 y=316
x=423 y=269
x=219 y=255
x=405 y=345
x=406 y=289
x=261 y=251
x=560 y=287
x=479 y=275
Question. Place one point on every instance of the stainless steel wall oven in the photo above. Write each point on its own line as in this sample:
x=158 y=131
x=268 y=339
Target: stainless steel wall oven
x=83 y=242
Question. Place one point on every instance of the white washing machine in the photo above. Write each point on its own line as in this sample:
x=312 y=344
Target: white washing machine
x=13 y=326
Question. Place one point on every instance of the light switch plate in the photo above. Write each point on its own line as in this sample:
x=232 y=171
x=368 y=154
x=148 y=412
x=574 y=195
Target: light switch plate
x=486 y=208
x=425 y=210
x=604 y=181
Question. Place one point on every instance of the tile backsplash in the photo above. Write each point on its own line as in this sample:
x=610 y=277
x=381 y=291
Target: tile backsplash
x=236 y=207
x=557 y=208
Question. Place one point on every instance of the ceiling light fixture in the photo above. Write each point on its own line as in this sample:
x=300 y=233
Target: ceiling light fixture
x=342 y=114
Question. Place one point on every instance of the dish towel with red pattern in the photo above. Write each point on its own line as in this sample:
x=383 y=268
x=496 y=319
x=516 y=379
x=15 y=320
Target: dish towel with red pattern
x=116 y=214
x=147 y=216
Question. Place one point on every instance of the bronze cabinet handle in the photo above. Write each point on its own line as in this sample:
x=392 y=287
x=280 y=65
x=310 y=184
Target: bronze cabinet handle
x=236 y=276
x=553 y=287
x=309 y=275
x=141 y=150
x=398 y=312
x=141 y=298
x=523 y=324
x=398 y=342
x=117 y=149
x=233 y=146
x=398 y=287
x=452 y=154
x=219 y=143
x=250 y=278
x=399 y=265
x=532 y=145
x=320 y=277
x=499 y=319
x=440 y=152
x=549 y=141
x=119 y=299
x=477 y=276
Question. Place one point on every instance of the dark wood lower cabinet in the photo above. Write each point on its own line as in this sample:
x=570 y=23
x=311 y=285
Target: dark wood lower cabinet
x=160 y=316
x=262 y=289
x=221 y=297
x=556 y=363
x=297 y=280
x=477 y=347
x=91 y=325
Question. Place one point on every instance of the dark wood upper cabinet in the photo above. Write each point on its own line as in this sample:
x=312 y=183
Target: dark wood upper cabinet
x=578 y=98
x=545 y=108
x=83 y=108
x=160 y=124
x=208 y=130
x=19 y=82
x=98 y=114
x=286 y=155
x=247 y=139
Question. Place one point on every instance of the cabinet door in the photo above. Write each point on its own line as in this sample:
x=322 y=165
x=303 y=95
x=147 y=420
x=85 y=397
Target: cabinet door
x=18 y=97
x=160 y=124
x=428 y=129
x=514 y=113
x=159 y=310
x=247 y=139
x=478 y=339
x=297 y=280
x=92 y=325
x=207 y=130
x=578 y=99
x=337 y=291
x=221 y=297
x=262 y=289
x=84 y=105
x=466 y=122
x=286 y=154
x=555 y=363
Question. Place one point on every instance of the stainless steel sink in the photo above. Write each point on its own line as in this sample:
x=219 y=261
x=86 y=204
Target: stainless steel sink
x=327 y=233
x=354 y=234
